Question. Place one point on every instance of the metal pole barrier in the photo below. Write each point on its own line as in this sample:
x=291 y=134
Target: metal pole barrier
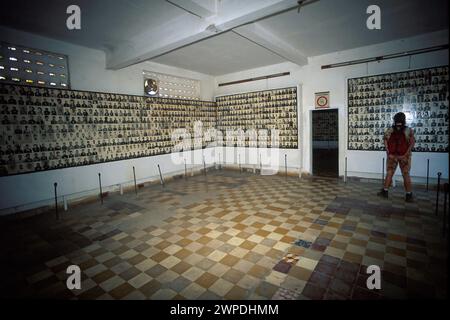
x=345 y=171
x=285 y=166
x=56 y=201
x=160 y=176
x=260 y=164
x=428 y=172
x=240 y=169
x=134 y=176
x=445 y=209
x=382 y=177
x=437 y=193
x=100 y=184
x=204 y=166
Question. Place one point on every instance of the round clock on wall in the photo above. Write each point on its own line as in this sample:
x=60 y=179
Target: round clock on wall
x=150 y=87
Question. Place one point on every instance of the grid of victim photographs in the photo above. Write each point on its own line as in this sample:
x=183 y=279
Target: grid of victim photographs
x=269 y=109
x=44 y=128
x=422 y=95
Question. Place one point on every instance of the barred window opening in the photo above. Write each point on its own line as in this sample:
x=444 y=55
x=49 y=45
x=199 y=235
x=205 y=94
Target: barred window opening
x=31 y=66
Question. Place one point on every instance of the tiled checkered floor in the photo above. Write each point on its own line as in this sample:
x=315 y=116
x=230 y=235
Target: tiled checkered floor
x=232 y=235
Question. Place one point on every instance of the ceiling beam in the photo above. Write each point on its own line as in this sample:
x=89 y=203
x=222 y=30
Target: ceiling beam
x=264 y=38
x=188 y=29
x=192 y=8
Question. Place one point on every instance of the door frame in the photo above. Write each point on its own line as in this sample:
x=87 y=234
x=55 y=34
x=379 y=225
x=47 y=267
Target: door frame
x=311 y=139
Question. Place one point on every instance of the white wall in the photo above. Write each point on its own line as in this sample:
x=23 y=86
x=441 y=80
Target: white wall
x=254 y=157
x=87 y=72
x=313 y=79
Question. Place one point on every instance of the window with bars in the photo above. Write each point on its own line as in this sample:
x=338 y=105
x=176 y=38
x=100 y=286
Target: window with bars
x=23 y=65
x=168 y=86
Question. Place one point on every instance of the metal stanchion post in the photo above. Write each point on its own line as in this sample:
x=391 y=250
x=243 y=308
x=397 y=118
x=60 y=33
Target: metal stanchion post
x=260 y=164
x=444 y=217
x=56 y=201
x=285 y=166
x=134 y=176
x=100 y=184
x=240 y=169
x=160 y=176
x=345 y=171
x=437 y=193
x=204 y=166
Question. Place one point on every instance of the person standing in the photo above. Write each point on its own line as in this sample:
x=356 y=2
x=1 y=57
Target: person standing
x=399 y=142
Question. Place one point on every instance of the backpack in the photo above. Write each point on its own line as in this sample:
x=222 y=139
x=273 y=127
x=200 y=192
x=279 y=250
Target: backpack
x=389 y=131
x=395 y=147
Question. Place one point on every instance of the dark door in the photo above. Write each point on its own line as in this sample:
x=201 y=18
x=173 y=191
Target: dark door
x=325 y=143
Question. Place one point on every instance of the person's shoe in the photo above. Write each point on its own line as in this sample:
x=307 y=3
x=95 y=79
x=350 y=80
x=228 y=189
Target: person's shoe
x=409 y=197
x=383 y=193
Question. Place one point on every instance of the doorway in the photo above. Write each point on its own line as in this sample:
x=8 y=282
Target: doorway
x=325 y=143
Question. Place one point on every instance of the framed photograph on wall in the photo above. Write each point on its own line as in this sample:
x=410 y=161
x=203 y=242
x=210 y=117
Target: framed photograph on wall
x=44 y=130
x=267 y=109
x=322 y=100
x=423 y=95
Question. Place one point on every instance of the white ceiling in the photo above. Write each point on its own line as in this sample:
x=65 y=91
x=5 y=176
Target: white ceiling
x=225 y=53
x=334 y=25
x=130 y=31
x=104 y=23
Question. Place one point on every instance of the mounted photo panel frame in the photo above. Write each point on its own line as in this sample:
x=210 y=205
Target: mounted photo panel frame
x=422 y=94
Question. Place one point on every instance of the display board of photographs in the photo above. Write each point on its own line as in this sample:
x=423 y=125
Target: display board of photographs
x=43 y=129
x=269 y=109
x=423 y=95
x=165 y=115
